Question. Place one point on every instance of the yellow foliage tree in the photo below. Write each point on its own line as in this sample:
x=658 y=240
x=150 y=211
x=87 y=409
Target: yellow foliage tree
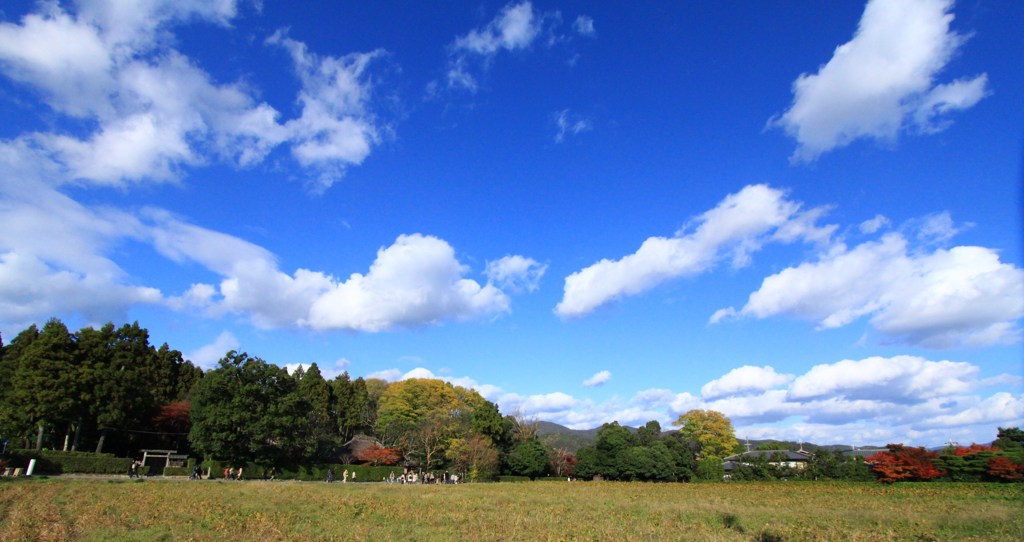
x=711 y=429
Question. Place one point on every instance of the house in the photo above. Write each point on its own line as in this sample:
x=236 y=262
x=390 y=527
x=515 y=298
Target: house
x=780 y=458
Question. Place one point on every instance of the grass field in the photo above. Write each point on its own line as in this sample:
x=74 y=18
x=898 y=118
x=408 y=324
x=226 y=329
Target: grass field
x=152 y=510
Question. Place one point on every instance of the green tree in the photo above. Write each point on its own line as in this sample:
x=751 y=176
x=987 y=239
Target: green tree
x=711 y=429
x=709 y=469
x=649 y=433
x=118 y=365
x=1010 y=439
x=528 y=458
x=474 y=457
x=653 y=462
x=14 y=421
x=318 y=428
x=603 y=458
x=47 y=382
x=241 y=412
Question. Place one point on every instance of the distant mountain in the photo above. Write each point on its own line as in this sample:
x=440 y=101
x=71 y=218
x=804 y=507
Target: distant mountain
x=571 y=440
x=560 y=436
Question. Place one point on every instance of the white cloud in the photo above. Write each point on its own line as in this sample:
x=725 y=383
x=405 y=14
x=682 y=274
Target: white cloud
x=735 y=228
x=897 y=379
x=515 y=28
x=416 y=281
x=584 y=25
x=994 y=410
x=66 y=60
x=870 y=401
x=570 y=125
x=959 y=296
x=390 y=375
x=336 y=128
x=882 y=81
x=743 y=380
x=155 y=112
x=873 y=225
x=207 y=356
x=599 y=379
x=61 y=266
x=515 y=273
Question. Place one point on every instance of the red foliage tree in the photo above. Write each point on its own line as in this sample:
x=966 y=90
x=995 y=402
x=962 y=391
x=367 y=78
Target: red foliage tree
x=972 y=449
x=903 y=463
x=1003 y=468
x=379 y=455
x=563 y=463
x=173 y=417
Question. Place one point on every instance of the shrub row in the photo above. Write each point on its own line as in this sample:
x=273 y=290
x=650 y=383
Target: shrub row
x=61 y=462
x=307 y=473
x=55 y=453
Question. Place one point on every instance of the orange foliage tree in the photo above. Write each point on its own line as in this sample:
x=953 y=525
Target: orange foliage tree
x=379 y=455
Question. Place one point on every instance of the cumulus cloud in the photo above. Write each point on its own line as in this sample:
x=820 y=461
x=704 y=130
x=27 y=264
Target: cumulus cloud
x=416 y=281
x=736 y=228
x=939 y=298
x=742 y=380
x=154 y=112
x=56 y=267
x=336 y=128
x=516 y=273
x=207 y=356
x=600 y=378
x=874 y=400
x=882 y=81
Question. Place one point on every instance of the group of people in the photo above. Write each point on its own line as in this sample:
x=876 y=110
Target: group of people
x=428 y=478
x=344 y=476
x=232 y=473
x=135 y=469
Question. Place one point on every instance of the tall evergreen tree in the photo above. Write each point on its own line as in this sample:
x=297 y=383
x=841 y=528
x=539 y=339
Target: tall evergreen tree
x=47 y=381
x=241 y=412
x=318 y=429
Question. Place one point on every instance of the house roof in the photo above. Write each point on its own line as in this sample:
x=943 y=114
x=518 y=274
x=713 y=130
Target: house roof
x=784 y=455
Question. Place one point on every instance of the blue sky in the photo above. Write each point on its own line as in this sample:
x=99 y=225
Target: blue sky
x=807 y=218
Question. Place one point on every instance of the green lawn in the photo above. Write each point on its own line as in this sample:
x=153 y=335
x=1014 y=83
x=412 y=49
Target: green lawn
x=62 y=509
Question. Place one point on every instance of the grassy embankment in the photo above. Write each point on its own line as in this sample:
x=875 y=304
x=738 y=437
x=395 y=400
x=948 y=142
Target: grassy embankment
x=55 y=509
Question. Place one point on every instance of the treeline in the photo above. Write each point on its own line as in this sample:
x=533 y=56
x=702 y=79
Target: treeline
x=93 y=389
x=108 y=388
x=1002 y=461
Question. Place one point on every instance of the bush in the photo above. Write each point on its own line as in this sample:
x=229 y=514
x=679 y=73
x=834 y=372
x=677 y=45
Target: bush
x=51 y=462
x=177 y=471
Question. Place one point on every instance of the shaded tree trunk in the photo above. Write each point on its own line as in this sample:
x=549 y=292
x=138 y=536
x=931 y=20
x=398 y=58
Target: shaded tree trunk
x=103 y=437
x=39 y=438
x=78 y=432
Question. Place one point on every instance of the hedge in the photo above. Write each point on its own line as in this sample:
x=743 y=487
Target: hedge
x=306 y=473
x=50 y=462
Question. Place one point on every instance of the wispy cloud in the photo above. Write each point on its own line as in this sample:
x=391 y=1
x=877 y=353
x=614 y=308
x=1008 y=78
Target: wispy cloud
x=570 y=125
x=736 y=228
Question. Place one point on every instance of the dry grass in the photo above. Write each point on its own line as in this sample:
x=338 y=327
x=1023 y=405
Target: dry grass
x=60 y=509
